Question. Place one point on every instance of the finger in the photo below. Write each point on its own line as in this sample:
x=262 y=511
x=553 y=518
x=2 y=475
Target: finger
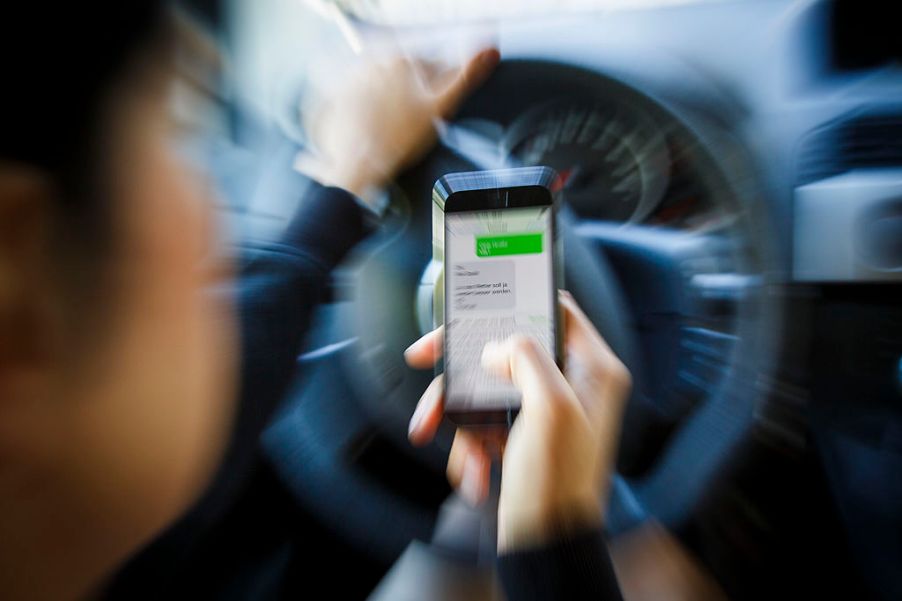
x=423 y=353
x=489 y=442
x=465 y=443
x=469 y=466
x=592 y=361
x=580 y=333
x=587 y=345
x=474 y=485
x=428 y=415
x=530 y=368
x=467 y=79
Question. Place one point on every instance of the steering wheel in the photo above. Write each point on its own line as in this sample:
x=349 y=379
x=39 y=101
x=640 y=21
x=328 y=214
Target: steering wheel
x=341 y=444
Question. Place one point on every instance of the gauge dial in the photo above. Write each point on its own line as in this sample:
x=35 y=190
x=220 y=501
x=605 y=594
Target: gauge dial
x=612 y=161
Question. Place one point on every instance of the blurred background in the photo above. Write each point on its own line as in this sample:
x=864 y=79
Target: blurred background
x=733 y=226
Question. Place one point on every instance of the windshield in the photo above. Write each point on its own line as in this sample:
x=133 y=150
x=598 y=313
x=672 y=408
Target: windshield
x=418 y=12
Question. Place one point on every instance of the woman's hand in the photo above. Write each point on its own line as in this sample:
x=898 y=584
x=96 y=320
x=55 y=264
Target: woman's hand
x=559 y=455
x=383 y=119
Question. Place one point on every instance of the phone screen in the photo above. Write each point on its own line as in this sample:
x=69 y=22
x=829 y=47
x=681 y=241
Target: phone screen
x=499 y=282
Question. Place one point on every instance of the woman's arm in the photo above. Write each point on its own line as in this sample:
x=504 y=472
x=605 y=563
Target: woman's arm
x=365 y=134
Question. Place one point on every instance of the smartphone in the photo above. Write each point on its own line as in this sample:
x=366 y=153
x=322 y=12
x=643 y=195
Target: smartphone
x=501 y=271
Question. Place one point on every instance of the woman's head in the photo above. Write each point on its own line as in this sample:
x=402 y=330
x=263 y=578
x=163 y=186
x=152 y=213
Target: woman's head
x=116 y=365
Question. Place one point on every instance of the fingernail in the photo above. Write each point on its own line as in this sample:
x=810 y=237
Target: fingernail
x=415 y=419
x=413 y=348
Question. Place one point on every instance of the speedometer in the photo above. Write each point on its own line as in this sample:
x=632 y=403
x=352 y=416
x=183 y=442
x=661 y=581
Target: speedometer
x=613 y=161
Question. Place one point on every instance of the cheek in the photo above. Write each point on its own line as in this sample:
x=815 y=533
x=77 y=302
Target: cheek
x=184 y=334
x=164 y=406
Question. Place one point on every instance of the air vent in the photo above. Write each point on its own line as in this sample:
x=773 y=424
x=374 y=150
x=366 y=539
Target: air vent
x=859 y=142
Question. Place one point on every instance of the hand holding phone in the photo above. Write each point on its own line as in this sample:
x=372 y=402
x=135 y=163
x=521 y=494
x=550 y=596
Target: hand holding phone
x=559 y=455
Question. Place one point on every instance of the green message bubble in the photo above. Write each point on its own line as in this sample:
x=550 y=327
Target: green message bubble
x=508 y=244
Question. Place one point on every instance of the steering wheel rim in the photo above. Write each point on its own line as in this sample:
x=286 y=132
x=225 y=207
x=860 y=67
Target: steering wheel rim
x=377 y=392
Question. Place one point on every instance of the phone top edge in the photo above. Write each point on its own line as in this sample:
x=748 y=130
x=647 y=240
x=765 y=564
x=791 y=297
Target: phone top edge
x=516 y=177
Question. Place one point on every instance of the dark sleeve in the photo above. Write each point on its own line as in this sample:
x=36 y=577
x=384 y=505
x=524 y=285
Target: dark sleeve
x=279 y=286
x=573 y=568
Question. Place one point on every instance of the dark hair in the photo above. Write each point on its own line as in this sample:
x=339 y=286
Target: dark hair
x=61 y=65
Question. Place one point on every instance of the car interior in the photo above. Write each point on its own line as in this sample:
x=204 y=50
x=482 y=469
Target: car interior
x=732 y=224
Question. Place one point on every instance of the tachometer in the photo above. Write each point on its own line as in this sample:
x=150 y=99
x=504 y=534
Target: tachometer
x=613 y=161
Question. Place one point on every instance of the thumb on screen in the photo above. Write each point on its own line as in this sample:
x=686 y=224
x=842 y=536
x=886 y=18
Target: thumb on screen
x=532 y=371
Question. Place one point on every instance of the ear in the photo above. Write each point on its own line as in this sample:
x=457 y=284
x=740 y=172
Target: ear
x=26 y=299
